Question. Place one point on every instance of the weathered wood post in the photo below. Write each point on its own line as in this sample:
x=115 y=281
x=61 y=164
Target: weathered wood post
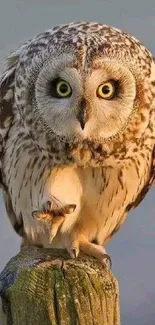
x=44 y=286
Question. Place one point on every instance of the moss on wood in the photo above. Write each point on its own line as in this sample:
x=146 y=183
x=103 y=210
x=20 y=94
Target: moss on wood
x=49 y=288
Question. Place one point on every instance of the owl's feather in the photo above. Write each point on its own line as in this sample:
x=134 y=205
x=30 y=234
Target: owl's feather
x=7 y=108
x=7 y=86
x=6 y=103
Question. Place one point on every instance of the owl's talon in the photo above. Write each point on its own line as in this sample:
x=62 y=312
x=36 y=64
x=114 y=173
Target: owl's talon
x=74 y=252
x=47 y=206
x=52 y=235
x=70 y=208
x=35 y=214
x=107 y=260
x=73 y=249
x=57 y=222
x=51 y=238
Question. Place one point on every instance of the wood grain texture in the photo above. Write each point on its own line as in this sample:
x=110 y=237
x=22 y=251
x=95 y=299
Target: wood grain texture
x=44 y=286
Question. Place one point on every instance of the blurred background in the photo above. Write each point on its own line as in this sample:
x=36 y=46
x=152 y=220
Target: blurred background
x=133 y=248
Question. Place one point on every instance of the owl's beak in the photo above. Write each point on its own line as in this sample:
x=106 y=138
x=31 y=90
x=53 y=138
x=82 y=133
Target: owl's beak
x=82 y=114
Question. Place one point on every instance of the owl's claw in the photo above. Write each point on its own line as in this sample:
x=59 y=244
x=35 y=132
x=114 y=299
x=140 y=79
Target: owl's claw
x=74 y=252
x=69 y=208
x=55 y=223
x=53 y=213
x=107 y=260
x=73 y=248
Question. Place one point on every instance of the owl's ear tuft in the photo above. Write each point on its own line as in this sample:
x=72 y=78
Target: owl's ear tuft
x=7 y=79
x=8 y=76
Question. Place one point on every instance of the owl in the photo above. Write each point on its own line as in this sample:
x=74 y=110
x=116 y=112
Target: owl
x=77 y=135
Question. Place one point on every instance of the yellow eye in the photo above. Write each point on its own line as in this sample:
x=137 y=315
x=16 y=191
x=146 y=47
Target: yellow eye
x=63 y=89
x=106 y=90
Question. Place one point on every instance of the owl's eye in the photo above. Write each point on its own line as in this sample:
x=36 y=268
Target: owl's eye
x=62 y=89
x=107 y=90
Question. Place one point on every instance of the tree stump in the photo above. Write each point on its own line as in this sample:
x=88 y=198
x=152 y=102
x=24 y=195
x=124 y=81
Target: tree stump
x=45 y=286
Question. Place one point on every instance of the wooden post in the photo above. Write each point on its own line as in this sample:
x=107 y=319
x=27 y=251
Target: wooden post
x=45 y=286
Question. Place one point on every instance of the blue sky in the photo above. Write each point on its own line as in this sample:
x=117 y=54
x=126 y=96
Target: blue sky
x=133 y=248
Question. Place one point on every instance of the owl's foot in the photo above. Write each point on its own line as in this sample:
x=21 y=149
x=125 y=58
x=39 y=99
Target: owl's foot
x=97 y=251
x=53 y=215
x=89 y=249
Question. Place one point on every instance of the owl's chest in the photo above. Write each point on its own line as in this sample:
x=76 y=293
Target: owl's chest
x=101 y=196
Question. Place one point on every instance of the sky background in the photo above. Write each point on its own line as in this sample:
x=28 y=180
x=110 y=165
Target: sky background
x=133 y=247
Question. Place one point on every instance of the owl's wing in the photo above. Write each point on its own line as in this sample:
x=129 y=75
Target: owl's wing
x=6 y=102
x=152 y=180
x=7 y=107
x=7 y=85
x=152 y=177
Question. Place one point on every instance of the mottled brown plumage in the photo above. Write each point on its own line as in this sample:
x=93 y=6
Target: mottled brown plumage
x=77 y=126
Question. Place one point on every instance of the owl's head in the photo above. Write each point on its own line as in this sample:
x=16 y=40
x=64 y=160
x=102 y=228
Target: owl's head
x=83 y=81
